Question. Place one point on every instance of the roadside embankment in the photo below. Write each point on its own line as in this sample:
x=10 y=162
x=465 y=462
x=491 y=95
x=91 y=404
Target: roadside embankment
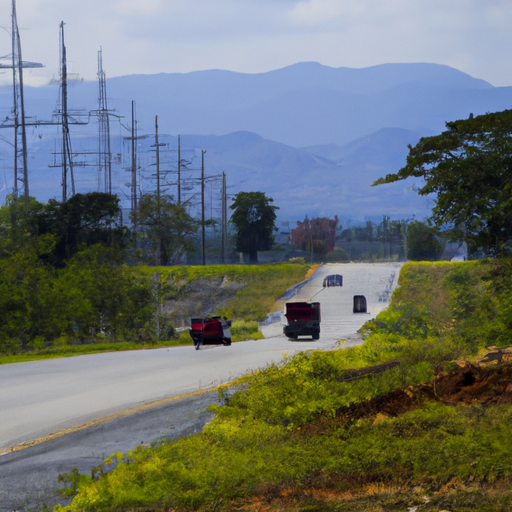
x=419 y=417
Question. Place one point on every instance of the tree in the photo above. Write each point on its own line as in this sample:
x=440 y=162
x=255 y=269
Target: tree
x=254 y=219
x=165 y=231
x=82 y=221
x=422 y=242
x=469 y=168
x=18 y=223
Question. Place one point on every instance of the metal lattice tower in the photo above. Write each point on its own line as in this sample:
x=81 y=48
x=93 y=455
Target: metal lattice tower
x=67 y=156
x=17 y=117
x=18 y=110
x=104 y=150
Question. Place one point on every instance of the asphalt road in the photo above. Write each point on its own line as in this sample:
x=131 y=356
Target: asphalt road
x=28 y=477
x=65 y=413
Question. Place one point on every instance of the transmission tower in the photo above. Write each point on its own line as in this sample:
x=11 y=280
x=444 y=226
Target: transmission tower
x=67 y=157
x=17 y=117
x=61 y=117
x=104 y=152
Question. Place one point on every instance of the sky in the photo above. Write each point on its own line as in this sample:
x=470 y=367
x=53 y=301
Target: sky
x=254 y=36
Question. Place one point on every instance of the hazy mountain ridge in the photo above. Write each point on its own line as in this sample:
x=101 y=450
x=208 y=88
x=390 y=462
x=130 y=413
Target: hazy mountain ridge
x=312 y=137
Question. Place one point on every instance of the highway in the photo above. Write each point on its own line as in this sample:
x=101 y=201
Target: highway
x=80 y=407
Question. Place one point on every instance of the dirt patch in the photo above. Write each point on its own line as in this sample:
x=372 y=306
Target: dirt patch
x=200 y=298
x=382 y=497
x=453 y=384
x=475 y=384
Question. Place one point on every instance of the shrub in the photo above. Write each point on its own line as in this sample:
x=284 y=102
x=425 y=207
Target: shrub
x=337 y=256
x=242 y=330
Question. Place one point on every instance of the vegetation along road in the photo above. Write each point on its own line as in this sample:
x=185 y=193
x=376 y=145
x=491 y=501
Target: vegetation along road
x=43 y=399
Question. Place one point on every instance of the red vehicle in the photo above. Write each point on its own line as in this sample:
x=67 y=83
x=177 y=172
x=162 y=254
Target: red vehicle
x=302 y=319
x=210 y=331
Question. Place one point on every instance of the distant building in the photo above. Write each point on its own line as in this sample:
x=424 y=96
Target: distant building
x=317 y=235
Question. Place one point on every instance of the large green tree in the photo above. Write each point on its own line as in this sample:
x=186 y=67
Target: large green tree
x=423 y=242
x=85 y=220
x=82 y=221
x=254 y=219
x=165 y=231
x=469 y=169
x=88 y=299
x=19 y=218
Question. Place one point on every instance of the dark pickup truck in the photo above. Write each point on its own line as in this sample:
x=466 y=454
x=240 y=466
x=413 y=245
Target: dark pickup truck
x=210 y=331
x=302 y=319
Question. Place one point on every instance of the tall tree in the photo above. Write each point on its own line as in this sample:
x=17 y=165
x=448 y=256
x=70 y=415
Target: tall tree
x=469 y=168
x=18 y=223
x=165 y=231
x=254 y=219
x=422 y=242
x=82 y=221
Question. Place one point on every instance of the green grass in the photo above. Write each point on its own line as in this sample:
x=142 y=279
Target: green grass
x=288 y=429
x=78 y=350
x=242 y=330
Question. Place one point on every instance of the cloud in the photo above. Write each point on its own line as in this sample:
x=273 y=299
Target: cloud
x=318 y=12
x=136 y=7
x=151 y=36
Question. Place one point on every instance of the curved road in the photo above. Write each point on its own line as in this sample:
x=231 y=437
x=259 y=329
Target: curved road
x=42 y=400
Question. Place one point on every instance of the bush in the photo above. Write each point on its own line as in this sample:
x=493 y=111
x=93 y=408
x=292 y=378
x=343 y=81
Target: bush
x=10 y=346
x=337 y=256
x=184 y=337
x=242 y=330
x=87 y=300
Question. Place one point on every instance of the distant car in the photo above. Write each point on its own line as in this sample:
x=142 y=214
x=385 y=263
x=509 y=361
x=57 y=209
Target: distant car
x=333 y=280
x=210 y=331
x=360 y=305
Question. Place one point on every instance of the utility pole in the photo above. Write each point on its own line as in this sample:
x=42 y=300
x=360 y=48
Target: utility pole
x=160 y=241
x=224 y=220
x=179 y=171
x=157 y=169
x=18 y=108
x=67 y=159
x=202 y=209
x=104 y=150
x=17 y=66
x=134 y=160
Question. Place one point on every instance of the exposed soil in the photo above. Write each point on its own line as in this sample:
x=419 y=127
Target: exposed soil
x=200 y=297
x=486 y=381
x=381 y=497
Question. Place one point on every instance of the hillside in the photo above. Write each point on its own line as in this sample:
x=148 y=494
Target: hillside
x=315 y=181
x=416 y=418
x=311 y=136
x=306 y=103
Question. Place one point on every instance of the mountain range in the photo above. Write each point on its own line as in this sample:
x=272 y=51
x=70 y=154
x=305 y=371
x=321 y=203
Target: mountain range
x=311 y=137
